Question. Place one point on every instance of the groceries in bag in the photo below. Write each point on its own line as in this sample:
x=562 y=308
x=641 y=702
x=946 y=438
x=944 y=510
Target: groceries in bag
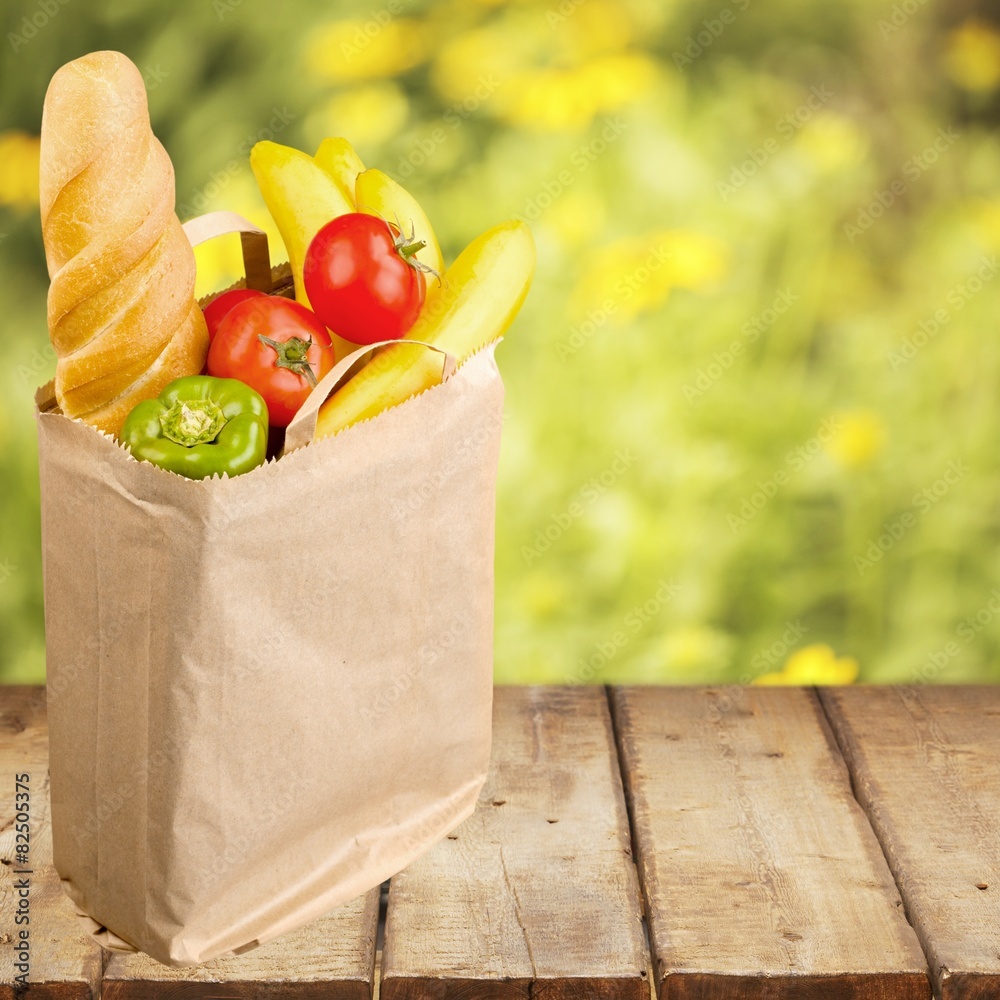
x=366 y=267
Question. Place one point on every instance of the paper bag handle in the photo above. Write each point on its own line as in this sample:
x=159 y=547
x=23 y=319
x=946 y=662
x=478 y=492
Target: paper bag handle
x=253 y=243
x=303 y=426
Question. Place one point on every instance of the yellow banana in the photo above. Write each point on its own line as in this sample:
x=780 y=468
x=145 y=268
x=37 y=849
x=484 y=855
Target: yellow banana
x=337 y=157
x=482 y=293
x=302 y=198
x=378 y=194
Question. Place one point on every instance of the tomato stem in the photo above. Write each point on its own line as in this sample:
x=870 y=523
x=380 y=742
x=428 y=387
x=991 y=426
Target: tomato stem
x=293 y=355
x=409 y=246
x=407 y=250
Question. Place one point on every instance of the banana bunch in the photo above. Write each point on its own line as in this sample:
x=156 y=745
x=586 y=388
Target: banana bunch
x=472 y=304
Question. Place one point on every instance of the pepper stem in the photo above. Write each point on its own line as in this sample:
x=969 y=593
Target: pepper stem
x=293 y=354
x=191 y=422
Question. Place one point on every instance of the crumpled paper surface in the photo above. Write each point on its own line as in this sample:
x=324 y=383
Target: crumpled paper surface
x=266 y=694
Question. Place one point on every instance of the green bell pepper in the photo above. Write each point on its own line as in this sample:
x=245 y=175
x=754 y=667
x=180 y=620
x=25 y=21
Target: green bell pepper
x=200 y=426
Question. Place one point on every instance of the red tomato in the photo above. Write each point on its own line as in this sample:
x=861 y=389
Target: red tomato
x=215 y=311
x=362 y=280
x=277 y=347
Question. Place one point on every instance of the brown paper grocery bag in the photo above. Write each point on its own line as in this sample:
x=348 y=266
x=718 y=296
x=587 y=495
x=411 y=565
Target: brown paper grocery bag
x=269 y=693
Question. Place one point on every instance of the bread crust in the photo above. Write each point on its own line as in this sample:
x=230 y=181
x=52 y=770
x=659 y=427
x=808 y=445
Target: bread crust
x=121 y=310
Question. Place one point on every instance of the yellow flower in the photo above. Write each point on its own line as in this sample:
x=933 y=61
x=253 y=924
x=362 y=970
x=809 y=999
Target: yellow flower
x=972 y=57
x=696 y=260
x=544 y=99
x=637 y=274
x=18 y=169
x=691 y=650
x=576 y=217
x=360 y=49
x=588 y=28
x=628 y=273
x=552 y=99
x=544 y=593
x=816 y=664
x=369 y=114
x=612 y=81
x=859 y=436
x=480 y=60
x=549 y=70
x=984 y=216
x=833 y=142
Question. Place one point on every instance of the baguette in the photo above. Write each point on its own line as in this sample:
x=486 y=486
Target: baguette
x=121 y=310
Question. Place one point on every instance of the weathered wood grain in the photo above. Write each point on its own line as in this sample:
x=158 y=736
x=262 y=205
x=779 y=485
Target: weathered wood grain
x=65 y=962
x=763 y=879
x=536 y=893
x=926 y=767
x=332 y=958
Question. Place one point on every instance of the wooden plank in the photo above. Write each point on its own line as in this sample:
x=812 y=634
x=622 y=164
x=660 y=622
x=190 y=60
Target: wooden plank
x=762 y=876
x=926 y=768
x=64 y=961
x=536 y=893
x=332 y=958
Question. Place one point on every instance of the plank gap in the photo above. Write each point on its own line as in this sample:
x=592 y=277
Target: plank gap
x=383 y=905
x=652 y=977
x=516 y=905
x=623 y=777
x=863 y=805
x=761 y=875
x=925 y=759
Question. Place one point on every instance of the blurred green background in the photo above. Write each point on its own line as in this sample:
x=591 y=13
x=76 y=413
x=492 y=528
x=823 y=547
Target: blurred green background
x=751 y=426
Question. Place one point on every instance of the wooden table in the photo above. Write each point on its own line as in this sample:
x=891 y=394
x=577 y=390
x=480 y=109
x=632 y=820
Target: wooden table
x=741 y=843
